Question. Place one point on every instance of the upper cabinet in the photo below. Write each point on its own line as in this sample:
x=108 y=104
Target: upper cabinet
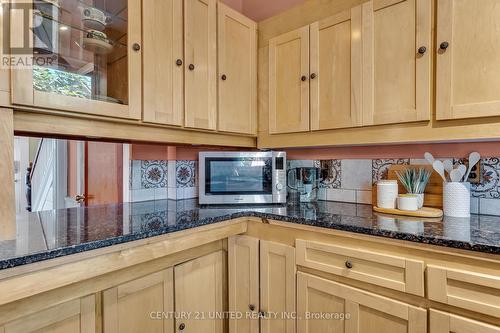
x=289 y=82
x=468 y=53
x=369 y=65
x=163 y=57
x=396 y=61
x=336 y=76
x=200 y=69
x=87 y=58
x=237 y=36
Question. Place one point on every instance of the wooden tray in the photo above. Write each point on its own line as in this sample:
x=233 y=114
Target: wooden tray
x=433 y=192
x=424 y=212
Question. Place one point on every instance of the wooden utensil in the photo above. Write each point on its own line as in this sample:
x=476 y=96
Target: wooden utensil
x=428 y=156
x=448 y=166
x=457 y=174
x=474 y=157
x=439 y=168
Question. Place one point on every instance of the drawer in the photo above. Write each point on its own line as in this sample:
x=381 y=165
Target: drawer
x=443 y=322
x=393 y=272
x=464 y=289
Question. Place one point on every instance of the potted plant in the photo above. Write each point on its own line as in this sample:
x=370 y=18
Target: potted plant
x=415 y=181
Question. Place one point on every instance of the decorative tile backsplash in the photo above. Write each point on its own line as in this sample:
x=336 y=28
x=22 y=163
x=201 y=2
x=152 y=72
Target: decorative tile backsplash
x=351 y=180
x=153 y=174
x=161 y=179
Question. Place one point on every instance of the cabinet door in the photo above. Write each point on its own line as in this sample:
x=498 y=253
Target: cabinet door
x=336 y=65
x=289 y=82
x=76 y=316
x=443 y=322
x=367 y=312
x=128 y=307
x=396 y=77
x=200 y=47
x=237 y=72
x=277 y=287
x=199 y=292
x=468 y=70
x=163 y=57
x=87 y=58
x=243 y=261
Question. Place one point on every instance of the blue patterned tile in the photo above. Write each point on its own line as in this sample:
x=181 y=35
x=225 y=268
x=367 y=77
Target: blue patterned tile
x=185 y=173
x=380 y=167
x=331 y=171
x=154 y=174
x=489 y=187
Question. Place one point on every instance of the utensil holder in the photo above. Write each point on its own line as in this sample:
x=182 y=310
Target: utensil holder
x=456 y=199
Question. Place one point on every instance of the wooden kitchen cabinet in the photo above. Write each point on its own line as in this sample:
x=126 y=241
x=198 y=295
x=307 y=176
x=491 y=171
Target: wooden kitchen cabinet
x=243 y=265
x=336 y=71
x=87 y=59
x=163 y=57
x=200 y=68
x=396 y=61
x=199 y=290
x=443 y=322
x=75 y=316
x=266 y=267
x=277 y=286
x=367 y=312
x=467 y=68
x=289 y=82
x=237 y=58
x=128 y=307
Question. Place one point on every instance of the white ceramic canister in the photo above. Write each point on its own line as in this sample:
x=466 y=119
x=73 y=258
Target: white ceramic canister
x=387 y=193
x=421 y=199
x=408 y=202
x=456 y=199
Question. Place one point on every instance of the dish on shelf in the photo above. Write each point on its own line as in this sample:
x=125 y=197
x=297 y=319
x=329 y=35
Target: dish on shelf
x=94 y=18
x=97 y=42
x=56 y=3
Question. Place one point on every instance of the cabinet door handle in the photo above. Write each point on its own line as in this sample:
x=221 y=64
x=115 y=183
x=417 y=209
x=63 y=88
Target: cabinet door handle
x=444 y=46
x=178 y=62
x=303 y=78
x=223 y=77
x=348 y=264
x=313 y=76
x=182 y=326
x=251 y=307
x=422 y=50
x=191 y=67
x=136 y=47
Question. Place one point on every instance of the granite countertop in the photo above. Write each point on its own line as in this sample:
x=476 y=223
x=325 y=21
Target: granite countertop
x=51 y=234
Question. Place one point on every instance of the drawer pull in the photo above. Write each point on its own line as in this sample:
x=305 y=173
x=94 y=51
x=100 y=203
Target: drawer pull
x=251 y=307
x=444 y=46
x=182 y=326
x=348 y=264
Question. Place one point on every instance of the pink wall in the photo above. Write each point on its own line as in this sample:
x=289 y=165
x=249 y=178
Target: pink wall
x=396 y=151
x=259 y=10
x=165 y=152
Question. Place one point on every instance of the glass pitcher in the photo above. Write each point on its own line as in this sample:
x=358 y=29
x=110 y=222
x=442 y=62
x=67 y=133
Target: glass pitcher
x=303 y=183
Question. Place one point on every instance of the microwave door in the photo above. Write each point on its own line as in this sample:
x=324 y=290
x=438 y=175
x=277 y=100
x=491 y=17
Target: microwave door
x=238 y=176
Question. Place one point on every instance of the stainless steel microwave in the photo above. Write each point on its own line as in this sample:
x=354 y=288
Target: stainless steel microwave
x=242 y=177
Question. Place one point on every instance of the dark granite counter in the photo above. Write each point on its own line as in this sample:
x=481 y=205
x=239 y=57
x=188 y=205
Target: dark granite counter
x=51 y=234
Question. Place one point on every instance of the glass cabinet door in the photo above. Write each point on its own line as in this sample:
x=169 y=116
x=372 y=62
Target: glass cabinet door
x=85 y=56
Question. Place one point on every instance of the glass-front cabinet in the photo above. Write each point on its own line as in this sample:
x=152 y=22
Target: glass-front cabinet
x=86 y=56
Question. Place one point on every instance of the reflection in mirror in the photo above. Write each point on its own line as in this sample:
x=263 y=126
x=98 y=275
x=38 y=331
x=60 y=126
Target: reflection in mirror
x=58 y=173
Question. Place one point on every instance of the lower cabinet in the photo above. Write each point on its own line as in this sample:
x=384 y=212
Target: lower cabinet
x=199 y=286
x=138 y=305
x=147 y=304
x=327 y=306
x=443 y=322
x=266 y=266
x=74 y=316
